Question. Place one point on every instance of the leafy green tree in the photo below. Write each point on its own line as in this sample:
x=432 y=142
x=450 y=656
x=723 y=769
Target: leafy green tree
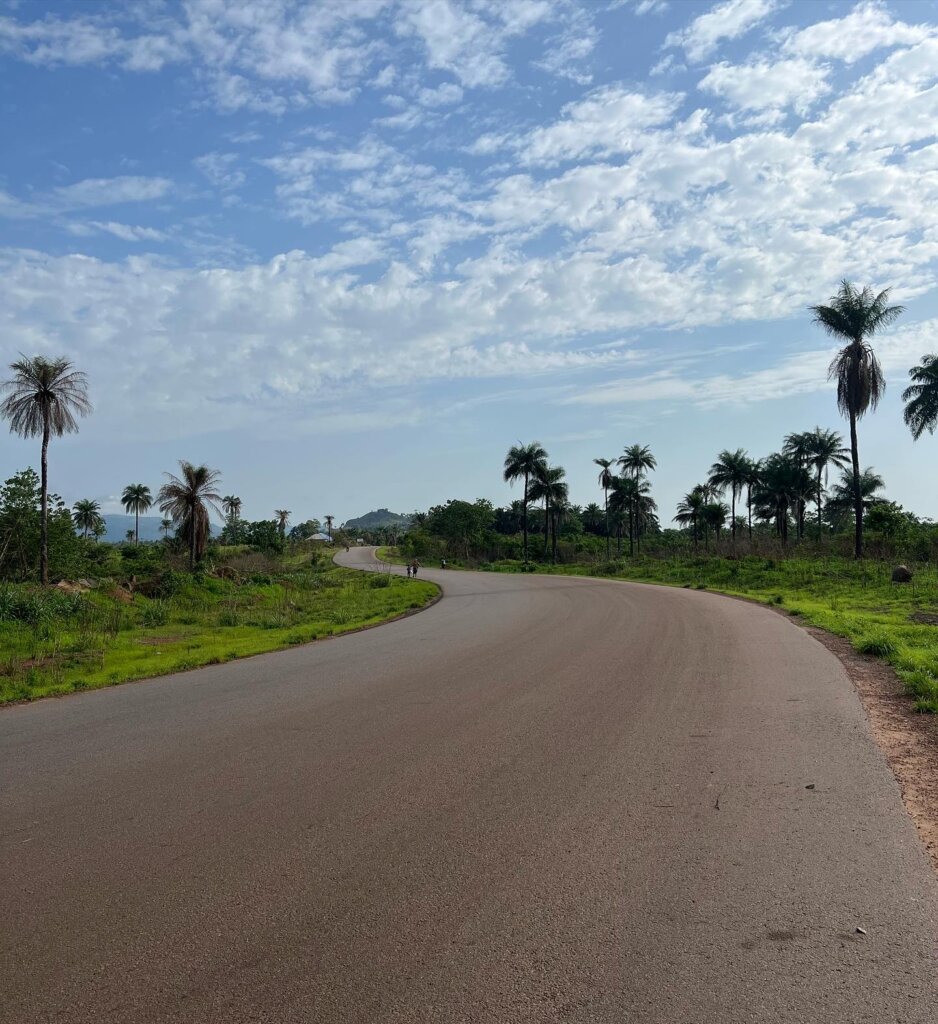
x=731 y=470
x=889 y=520
x=136 y=498
x=187 y=499
x=523 y=462
x=856 y=316
x=43 y=398
x=21 y=530
x=462 y=524
x=921 y=397
x=303 y=531
x=606 y=477
x=265 y=535
x=86 y=515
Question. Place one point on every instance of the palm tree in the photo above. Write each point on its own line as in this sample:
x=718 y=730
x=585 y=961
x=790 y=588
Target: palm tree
x=136 y=498
x=231 y=504
x=605 y=482
x=731 y=470
x=921 y=397
x=86 y=515
x=329 y=522
x=797 y=446
x=165 y=526
x=713 y=515
x=594 y=519
x=523 y=461
x=637 y=460
x=782 y=485
x=824 y=448
x=689 y=510
x=44 y=396
x=753 y=479
x=856 y=316
x=548 y=486
x=283 y=517
x=627 y=493
x=844 y=493
x=187 y=499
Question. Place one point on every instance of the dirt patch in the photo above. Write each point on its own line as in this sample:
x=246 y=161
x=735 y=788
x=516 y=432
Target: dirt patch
x=925 y=618
x=909 y=740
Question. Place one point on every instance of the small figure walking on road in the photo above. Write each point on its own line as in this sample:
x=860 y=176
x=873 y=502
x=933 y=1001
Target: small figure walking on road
x=414 y=566
x=408 y=570
x=442 y=563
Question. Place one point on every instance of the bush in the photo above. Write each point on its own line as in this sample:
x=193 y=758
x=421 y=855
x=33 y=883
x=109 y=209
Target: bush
x=156 y=613
x=880 y=644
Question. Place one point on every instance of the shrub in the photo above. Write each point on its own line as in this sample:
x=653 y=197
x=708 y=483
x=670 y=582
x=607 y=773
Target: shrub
x=880 y=644
x=156 y=613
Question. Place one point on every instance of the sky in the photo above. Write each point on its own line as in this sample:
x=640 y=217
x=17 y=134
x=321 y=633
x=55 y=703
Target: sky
x=349 y=253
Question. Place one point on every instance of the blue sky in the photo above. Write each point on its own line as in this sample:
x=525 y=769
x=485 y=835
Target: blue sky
x=348 y=254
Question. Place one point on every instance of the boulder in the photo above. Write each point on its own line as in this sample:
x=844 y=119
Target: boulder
x=901 y=574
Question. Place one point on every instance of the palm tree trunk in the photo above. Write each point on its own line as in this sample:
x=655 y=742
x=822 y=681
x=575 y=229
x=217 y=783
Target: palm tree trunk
x=606 y=502
x=819 y=528
x=733 y=514
x=857 y=496
x=631 y=533
x=44 y=522
x=524 y=518
x=694 y=523
x=749 y=509
x=137 y=526
x=546 y=525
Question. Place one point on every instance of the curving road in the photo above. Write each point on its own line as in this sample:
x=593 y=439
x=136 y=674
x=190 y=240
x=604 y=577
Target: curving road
x=542 y=800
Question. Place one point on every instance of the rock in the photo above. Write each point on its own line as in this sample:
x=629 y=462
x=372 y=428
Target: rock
x=901 y=574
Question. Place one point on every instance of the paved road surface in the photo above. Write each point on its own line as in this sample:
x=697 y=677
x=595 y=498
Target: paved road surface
x=553 y=800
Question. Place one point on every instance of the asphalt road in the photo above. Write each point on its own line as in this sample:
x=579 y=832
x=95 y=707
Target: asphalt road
x=543 y=799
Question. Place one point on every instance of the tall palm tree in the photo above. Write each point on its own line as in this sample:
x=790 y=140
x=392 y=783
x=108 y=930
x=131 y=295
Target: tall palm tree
x=283 y=517
x=843 y=493
x=825 y=448
x=86 y=515
x=329 y=522
x=187 y=498
x=797 y=446
x=231 y=504
x=921 y=397
x=548 y=486
x=627 y=494
x=753 y=479
x=136 y=498
x=690 y=508
x=731 y=470
x=856 y=316
x=713 y=515
x=522 y=462
x=165 y=526
x=783 y=483
x=605 y=482
x=43 y=398
x=636 y=460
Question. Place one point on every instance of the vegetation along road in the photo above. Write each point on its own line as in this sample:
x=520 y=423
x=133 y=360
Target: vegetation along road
x=542 y=799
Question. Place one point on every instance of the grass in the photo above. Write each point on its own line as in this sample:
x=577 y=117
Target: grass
x=856 y=600
x=54 y=643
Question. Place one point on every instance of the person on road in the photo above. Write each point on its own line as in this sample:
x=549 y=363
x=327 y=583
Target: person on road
x=408 y=570
x=414 y=566
x=442 y=563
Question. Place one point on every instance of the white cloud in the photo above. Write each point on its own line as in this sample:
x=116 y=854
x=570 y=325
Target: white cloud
x=443 y=95
x=728 y=20
x=866 y=28
x=125 y=232
x=87 y=193
x=609 y=120
x=762 y=84
x=220 y=170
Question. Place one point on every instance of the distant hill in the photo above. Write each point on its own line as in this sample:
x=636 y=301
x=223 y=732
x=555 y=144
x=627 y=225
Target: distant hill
x=375 y=520
x=118 y=524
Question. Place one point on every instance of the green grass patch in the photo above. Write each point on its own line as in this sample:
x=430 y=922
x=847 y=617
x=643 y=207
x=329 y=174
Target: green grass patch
x=54 y=643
